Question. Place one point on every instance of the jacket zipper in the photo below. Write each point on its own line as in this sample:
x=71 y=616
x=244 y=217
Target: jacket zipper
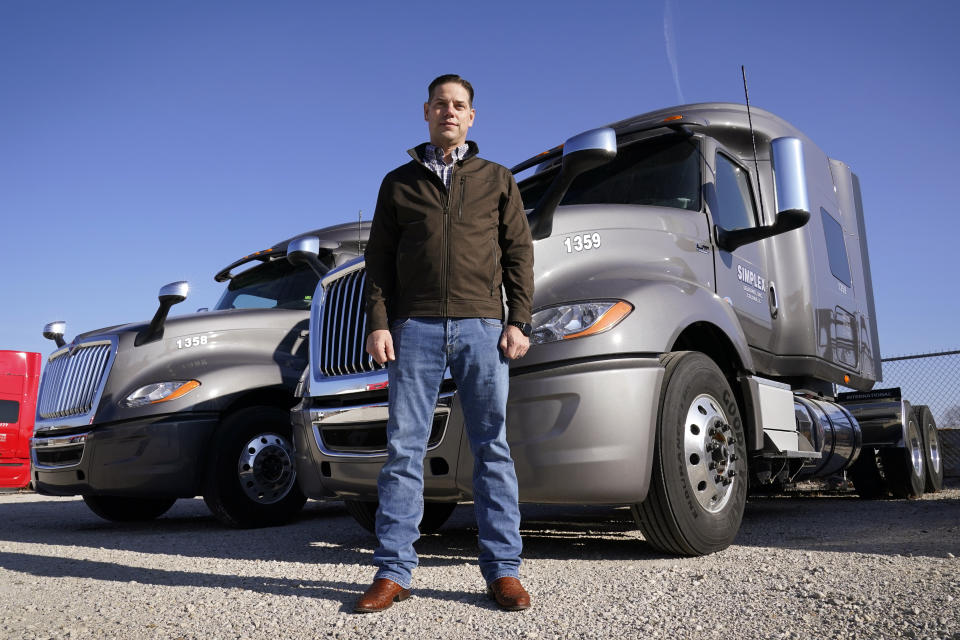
x=446 y=247
x=463 y=188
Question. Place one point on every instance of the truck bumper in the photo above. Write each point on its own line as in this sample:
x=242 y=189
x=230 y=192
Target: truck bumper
x=579 y=433
x=157 y=458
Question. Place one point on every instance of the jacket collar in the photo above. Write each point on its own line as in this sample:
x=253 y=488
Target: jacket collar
x=418 y=151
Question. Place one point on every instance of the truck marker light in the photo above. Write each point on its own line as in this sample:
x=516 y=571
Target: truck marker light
x=256 y=253
x=672 y=118
x=846 y=379
x=549 y=151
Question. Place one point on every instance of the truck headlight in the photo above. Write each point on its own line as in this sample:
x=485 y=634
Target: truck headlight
x=577 y=319
x=159 y=392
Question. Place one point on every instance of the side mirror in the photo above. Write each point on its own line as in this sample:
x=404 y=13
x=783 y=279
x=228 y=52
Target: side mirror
x=306 y=250
x=793 y=208
x=173 y=293
x=170 y=294
x=786 y=221
x=581 y=153
x=54 y=331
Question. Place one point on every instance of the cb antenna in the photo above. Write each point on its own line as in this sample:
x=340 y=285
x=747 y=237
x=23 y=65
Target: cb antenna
x=753 y=138
x=359 y=228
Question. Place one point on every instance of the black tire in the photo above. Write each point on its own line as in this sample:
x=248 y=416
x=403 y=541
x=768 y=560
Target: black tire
x=867 y=476
x=904 y=466
x=435 y=514
x=128 y=509
x=933 y=466
x=252 y=479
x=700 y=438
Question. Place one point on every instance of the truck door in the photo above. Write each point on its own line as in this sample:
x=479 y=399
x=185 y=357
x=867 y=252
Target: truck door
x=742 y=277
x=11 y=392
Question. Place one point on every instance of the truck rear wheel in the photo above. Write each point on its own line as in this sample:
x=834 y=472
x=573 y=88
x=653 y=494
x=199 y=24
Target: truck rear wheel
x=435 y=514
x=252 y=480
x=931 y=449
x=904 y=466
x=128 y=509
x=698 y=487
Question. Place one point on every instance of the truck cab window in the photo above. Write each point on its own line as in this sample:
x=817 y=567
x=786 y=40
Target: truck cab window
x=663 y=171
x=276 y=284
x=9 y=411
x=735 y=208
x=836 y=248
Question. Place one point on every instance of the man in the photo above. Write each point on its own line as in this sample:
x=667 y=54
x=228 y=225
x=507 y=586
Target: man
x=448 y=231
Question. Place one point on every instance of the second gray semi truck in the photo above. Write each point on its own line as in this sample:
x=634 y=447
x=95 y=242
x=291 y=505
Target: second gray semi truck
x=702 y=289
x=135 y=416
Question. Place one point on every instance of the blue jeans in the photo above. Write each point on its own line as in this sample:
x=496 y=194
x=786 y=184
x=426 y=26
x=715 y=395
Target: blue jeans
x=424 y=348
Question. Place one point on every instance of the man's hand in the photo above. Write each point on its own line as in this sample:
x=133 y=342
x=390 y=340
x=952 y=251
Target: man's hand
x=380 y=345
x=513 y=343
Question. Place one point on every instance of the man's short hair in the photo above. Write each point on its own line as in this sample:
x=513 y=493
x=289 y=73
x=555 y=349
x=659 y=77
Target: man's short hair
x=446 y=78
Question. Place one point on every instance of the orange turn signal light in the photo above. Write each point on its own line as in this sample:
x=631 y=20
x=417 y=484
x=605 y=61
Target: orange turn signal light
x=184 y=389
x=608 y=320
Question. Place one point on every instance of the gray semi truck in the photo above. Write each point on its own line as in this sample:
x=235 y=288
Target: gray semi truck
x=703 y=289
x=135 y=416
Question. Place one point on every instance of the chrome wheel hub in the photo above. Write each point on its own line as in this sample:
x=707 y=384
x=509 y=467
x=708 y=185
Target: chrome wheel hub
x=934 y=445
x=915 y=444
x=711 y=461
x=266 y=468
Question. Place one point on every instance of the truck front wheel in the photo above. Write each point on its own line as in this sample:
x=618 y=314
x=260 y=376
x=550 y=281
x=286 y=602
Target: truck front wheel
x=128 y=509
x=698 y=486
x=251 y=480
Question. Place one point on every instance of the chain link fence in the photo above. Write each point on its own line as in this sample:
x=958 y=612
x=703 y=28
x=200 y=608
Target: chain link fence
x=932 y=379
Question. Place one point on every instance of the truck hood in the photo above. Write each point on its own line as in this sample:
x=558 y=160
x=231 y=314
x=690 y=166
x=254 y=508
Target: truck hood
x=205 y=321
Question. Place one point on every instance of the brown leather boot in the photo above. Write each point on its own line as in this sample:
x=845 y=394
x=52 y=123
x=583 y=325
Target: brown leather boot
x=509 y=594
x=380 y=596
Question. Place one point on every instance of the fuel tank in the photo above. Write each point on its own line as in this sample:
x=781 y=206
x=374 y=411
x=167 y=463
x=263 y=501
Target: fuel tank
x=832 y=430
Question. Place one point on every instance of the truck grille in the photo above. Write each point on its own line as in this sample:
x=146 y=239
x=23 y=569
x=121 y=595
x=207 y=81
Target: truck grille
x=371 y=437
x=59 y=451
x=344 y=322
x=72 y=379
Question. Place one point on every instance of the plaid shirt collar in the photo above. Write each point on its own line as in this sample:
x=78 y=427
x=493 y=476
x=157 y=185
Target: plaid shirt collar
x=433 y=160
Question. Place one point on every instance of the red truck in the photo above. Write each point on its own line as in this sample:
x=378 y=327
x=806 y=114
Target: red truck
x=19 y=378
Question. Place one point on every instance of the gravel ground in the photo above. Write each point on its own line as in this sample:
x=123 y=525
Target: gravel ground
x=810 y=566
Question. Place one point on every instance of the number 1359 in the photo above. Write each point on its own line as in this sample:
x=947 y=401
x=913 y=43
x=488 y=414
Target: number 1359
x=583 y=242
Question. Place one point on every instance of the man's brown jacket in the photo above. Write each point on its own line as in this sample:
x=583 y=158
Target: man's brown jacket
x=440 y=253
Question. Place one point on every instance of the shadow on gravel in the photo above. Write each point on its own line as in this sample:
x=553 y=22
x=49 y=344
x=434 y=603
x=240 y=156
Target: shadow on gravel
x=187 y=529
x=928 y=527
x=346 y=593
x=58 y=567
x=325 y=533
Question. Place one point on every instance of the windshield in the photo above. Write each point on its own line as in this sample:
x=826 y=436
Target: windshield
x=272 y=285
x=664 y=171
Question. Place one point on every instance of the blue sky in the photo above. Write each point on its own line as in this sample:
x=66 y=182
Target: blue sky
x=147 y=142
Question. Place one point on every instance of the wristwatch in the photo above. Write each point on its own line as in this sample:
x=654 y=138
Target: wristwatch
x=525 y=328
